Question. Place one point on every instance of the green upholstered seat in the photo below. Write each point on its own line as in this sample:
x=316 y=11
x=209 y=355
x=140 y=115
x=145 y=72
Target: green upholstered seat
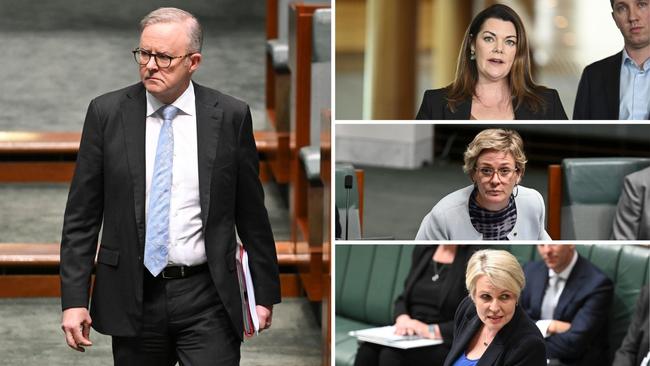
x=591 y=188
x=368 y=279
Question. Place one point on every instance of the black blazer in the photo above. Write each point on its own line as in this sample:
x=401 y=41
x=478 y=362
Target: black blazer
x=599 y=90
x=454 y=286
x=434 y=107
x=584 y=302
x=109 y=187
x=518 y=343
x=636 y=343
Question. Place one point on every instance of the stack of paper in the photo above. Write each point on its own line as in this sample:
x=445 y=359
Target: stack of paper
x=247 y=292
x=386 y=336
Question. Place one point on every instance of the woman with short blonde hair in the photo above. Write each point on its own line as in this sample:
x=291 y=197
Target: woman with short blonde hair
x=495 y=206
x=490 y=326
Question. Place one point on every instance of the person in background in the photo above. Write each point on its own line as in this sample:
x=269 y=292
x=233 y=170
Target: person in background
x=495 y=207
x=632 y=218
x=432 y=290
x=618 y=87
x=493 y=75
x=491 y=329
x=569 y=298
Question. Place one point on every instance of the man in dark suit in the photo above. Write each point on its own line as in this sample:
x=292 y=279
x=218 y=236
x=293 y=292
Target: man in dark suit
x=170 y=169
x=618 y=87
x=569 y=298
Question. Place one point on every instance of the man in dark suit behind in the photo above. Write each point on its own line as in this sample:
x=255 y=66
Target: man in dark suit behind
x=569 y=298
x=170 y=169
x=618 y=87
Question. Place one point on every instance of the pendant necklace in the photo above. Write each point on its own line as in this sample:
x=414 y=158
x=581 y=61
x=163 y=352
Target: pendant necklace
x=485 y=343
x=436 y=271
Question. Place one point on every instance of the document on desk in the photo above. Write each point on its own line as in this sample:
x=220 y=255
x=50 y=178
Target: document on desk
x=247 y=293
x=386 y=336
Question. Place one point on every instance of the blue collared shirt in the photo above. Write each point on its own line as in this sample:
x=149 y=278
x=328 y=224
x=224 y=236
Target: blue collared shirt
x=634 y=89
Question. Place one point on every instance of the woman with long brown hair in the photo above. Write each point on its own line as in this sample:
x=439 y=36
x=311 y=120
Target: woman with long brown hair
x=493 y=75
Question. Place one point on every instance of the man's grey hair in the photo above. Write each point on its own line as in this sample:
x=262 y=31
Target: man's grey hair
x=175 y=15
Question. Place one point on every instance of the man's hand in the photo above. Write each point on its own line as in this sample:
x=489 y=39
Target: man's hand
x=265 y=315
x=558 y=326
x=75 y=323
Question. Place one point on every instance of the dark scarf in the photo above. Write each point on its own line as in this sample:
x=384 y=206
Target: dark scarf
x=494 y=225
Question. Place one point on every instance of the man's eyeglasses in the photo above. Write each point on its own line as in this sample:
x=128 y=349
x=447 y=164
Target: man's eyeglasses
x=504 y=173
x=142 y=57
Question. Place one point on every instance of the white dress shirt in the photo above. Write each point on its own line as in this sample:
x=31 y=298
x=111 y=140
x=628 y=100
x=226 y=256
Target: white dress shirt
x=552 y=297
x=186 y=243
x=634 y=89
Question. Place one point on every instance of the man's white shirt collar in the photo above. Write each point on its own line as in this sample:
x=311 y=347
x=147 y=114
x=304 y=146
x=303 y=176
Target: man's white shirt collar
x=185 y=103
x=567 y=271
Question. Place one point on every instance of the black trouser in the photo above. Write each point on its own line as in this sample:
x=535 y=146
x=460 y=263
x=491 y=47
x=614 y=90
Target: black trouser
x=183 y=321
x=371 y=354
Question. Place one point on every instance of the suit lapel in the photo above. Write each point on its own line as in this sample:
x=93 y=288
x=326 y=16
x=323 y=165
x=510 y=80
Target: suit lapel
x=208 y=123
x=571 y=287
x=463 y=111
x=134 y=109
x=537 y=285
x=468 y=329
x=613 y=84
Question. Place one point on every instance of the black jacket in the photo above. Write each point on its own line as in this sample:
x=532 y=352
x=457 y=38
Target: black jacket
x=454 y=285
x=108 y=191
x=518 y=343
x=599 y=90
x=434 y=107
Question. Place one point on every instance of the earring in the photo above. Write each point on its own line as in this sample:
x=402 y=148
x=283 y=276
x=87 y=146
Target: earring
x=472 y=55
x=516 y=191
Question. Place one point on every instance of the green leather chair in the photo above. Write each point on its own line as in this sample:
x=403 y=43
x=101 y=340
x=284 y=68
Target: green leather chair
x=590 y=191
x=370 y=277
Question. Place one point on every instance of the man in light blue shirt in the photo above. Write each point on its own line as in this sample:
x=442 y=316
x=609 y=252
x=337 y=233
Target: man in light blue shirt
x=618 y=87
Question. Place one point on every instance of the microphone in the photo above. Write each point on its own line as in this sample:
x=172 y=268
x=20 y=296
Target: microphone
x=348 y=187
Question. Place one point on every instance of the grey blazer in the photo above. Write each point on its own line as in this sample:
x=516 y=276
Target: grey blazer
x=449 y=218
x=632 y=219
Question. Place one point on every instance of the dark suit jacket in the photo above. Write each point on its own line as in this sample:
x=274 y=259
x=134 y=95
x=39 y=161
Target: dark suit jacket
x=636 y=343
x=434 y=107
x=109 y=186
x=584 y=302
x=454 y=286
x=599 y=90
x=518 y=343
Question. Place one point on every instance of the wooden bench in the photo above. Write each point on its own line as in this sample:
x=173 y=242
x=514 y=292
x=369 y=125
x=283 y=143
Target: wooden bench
x=50 y=156
x=20 y=261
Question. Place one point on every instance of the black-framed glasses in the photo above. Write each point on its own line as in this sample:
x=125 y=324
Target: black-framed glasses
x=142 y=57
x=504 y=173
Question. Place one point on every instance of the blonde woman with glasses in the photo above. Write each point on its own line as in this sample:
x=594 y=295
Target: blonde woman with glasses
x=495 y=206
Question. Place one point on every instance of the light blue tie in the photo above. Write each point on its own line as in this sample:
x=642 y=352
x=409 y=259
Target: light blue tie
x=157 y=233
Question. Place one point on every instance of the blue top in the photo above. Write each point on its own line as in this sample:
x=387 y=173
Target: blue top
x=464 y=361
x=634 y=89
